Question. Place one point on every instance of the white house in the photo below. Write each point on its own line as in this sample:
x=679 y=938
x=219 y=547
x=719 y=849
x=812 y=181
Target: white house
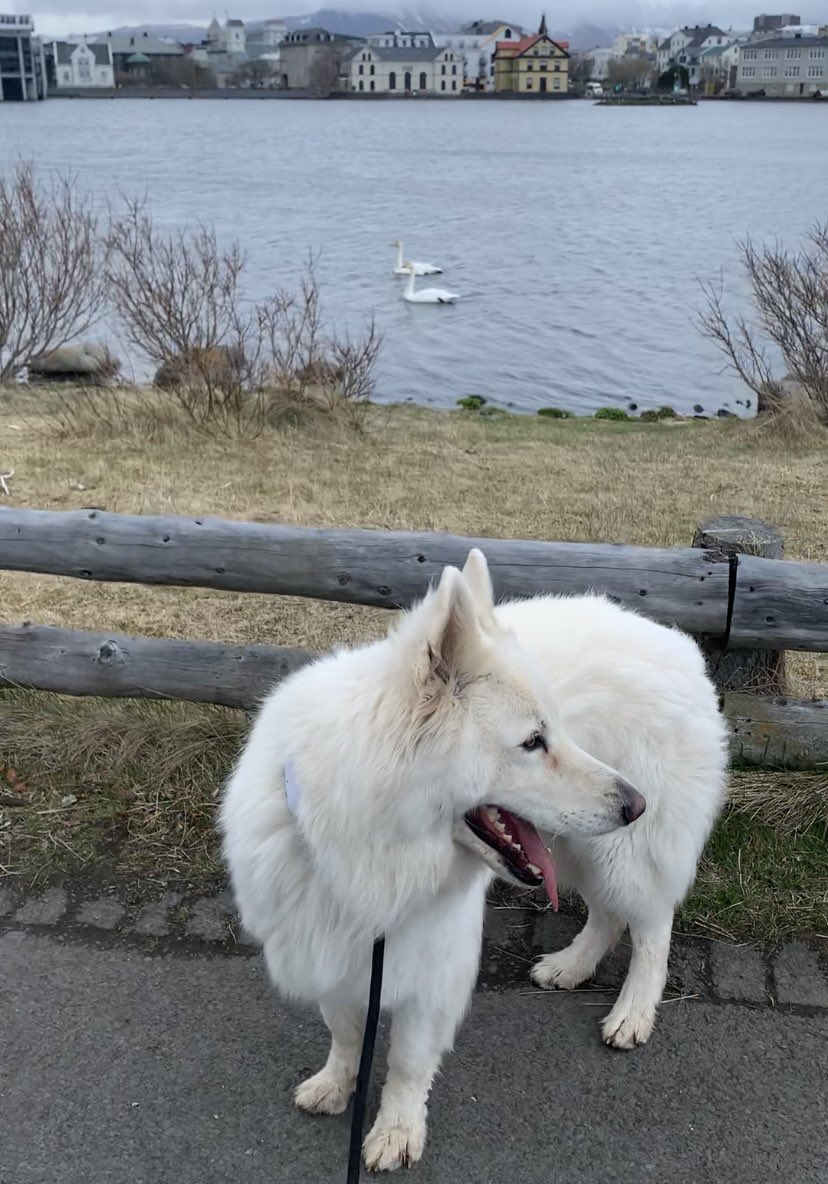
x=87 y=64
x=691 y=40
x=374 y=69
x=474 y=45
x=399 y=39
x=231 y=39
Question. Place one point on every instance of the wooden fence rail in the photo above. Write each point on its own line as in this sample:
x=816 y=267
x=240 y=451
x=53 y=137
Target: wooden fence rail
x=778 y=604
x=71 y=662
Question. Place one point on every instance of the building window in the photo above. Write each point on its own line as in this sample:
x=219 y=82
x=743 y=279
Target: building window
x=544 y=67
x=816 y=53
x=815 y=71
x=365 y=57
x=529 y=66
x=361 y=85
x=392 y=81
x=361 y=68
x=443 y=85
x=771 y=53
x=792 y=71
x=371 y=71
x=454 y=69
x=748 y=71
x=407 y=80
x=750 y=54
x=423 y=81
x=793 y=53
x=442 y=69
x=556 y=84
x=769 y=71
x=454 y=84
x=528 y=83
x=557 y=67
x=371 y=84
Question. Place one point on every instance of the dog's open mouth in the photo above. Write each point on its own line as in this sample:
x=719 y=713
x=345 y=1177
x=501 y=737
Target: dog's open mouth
x=518 y=844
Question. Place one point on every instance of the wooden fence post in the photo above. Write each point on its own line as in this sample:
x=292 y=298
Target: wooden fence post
x=761 y=671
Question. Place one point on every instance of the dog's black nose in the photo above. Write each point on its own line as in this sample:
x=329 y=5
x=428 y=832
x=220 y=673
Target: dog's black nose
x=633 y=804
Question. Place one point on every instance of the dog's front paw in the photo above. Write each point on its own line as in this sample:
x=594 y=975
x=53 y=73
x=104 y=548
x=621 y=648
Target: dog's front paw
x=324 y=1093
x=628 y=1027
x=559 y=970
x=387 y=1148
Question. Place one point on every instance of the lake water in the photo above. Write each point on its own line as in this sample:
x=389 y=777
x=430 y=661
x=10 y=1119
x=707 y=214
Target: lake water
x=576 y=234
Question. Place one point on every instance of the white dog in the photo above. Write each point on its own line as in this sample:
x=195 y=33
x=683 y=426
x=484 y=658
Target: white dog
x=381 y=786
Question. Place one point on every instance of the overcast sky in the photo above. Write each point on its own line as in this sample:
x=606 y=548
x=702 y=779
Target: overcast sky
x=78 y=16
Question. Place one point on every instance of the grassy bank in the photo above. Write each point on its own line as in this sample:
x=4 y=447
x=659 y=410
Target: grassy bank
x=144 y=777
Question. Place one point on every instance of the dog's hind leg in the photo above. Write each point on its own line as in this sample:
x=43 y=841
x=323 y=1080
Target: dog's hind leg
x=419 y=1037
x=569 y=967
x=631 y=1020
x=329 y=1090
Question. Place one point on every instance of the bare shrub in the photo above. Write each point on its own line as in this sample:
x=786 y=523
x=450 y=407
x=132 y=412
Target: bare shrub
x=790 y=295
x=51 y=275
x=229 y=363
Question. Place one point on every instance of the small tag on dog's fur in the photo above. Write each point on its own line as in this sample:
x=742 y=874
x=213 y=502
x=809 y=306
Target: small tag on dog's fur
x=293 y=790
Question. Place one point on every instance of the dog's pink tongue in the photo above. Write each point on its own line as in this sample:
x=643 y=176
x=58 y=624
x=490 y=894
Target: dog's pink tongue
x=530 y=841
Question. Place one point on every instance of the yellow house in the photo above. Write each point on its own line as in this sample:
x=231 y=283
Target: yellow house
x=535 y=65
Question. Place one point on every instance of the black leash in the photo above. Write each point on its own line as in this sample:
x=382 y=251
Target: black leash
x=366 y=1058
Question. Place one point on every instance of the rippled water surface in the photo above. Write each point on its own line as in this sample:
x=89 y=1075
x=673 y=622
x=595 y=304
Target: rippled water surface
x=576 y=234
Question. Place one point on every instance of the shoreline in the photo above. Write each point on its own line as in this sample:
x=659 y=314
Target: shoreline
x=171 y=92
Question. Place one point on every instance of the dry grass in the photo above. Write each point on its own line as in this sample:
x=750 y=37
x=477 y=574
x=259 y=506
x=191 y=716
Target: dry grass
x=147 y=774
x=502 y=476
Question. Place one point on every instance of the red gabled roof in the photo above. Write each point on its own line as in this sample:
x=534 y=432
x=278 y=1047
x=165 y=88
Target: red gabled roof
x=516 y=48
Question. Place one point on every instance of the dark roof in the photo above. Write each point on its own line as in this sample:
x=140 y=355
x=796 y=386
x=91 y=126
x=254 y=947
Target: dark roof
x=130 y=43
x=234 y=24
x=486 y=28
x=400 y=53
x=314 y=35
x=65 y=49
x=701 y=32
x=787 y=43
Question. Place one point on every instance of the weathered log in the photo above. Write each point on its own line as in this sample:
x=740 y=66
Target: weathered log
x=764 y=731
x=779 y=733
x=682 y=587
x=72 y=662
x=760 y=670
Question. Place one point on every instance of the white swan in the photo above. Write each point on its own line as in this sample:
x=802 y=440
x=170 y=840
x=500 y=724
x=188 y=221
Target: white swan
x=404 y=266
x=427 y=295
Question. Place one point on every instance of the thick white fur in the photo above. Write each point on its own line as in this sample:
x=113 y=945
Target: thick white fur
x=635 y=695
x=392 y=743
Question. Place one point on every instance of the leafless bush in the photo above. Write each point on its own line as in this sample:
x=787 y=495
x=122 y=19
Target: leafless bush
x=229 y=363
x=790 y=296
x=51 y=275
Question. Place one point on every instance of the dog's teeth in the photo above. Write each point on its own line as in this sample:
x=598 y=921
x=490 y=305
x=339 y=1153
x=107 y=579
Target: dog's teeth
x=501 y=826
x=533 y=867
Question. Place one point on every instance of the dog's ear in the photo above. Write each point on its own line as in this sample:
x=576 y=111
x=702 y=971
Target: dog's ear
x=479 y=582
x=451 y=632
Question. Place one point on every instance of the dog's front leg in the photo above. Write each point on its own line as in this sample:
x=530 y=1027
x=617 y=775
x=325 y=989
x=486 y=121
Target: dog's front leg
x=419 y=1037
x=329 y=1090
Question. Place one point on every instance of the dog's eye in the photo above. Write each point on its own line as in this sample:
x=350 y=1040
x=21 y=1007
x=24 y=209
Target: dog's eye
x=535 y=741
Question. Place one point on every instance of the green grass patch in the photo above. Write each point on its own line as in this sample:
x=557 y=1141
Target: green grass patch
x=757 y=884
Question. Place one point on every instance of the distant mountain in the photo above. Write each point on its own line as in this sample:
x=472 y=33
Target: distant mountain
x=184 y=33
x=360 y=24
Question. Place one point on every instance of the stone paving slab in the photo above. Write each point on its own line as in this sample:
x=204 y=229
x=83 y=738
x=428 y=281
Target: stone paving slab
x=795 y=976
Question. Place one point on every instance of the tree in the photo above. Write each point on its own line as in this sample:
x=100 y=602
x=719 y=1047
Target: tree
x=51 y=267
x=630 y=71
x=790 y=296
x=257 y=75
